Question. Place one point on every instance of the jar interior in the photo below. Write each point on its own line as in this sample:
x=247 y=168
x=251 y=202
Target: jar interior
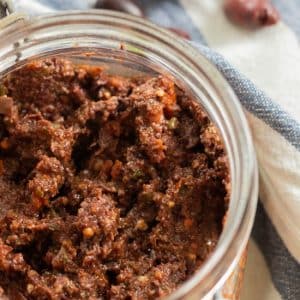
x=121 y=63
x=125 y=49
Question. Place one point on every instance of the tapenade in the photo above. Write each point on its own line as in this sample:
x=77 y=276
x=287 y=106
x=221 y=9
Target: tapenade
x=110 y=187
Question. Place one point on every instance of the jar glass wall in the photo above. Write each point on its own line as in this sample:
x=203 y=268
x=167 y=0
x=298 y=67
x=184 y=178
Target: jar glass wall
x=133 y=46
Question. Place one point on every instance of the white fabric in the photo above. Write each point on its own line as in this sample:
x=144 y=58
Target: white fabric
x=258 y=284
x=279 y=182
x=263 y=56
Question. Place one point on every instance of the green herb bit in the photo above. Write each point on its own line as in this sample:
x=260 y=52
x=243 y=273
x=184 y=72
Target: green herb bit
x=173 y=123
x=183 y=190
x=63 y=255
x=147 y=196
x=55 y=125
x=52 y=213
x=137 y=174
x=3 y=90
x=39 y=192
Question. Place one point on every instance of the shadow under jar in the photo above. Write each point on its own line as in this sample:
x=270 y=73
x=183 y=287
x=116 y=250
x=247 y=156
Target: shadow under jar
x=132 y=47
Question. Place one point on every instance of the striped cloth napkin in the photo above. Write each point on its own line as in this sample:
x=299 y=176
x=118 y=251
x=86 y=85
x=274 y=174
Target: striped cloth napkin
x=263 y=67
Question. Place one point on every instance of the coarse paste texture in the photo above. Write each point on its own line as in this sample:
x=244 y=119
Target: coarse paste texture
x=110 y=187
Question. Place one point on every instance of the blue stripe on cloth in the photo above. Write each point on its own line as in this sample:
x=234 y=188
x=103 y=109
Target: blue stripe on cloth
x=284 y=268
x=162 y=12
x=171 y=14
x=65 y=4
x=290 y=13
x=255 y=101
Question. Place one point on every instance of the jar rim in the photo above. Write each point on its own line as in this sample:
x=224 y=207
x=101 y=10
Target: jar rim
x=218 y=266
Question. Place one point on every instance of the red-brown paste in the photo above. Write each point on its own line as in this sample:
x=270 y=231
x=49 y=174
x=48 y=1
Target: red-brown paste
x=110 y=187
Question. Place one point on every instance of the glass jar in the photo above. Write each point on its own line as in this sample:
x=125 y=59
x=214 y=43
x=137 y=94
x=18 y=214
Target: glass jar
x=133 y=46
